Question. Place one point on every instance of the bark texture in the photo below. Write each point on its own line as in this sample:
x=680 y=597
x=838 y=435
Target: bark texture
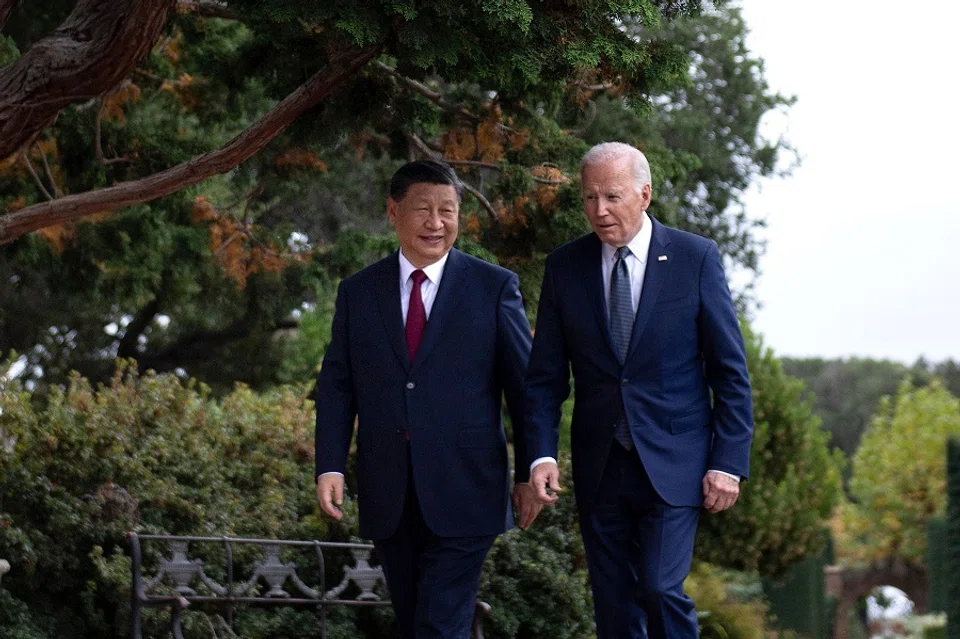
x=72 y=207
x=95 y=48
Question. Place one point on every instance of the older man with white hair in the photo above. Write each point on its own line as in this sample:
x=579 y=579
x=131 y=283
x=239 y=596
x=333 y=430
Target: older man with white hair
x=663 y=416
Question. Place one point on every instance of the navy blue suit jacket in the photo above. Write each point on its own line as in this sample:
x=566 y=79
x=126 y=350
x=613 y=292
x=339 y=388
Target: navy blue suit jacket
x=686 y=343
x=473 y=353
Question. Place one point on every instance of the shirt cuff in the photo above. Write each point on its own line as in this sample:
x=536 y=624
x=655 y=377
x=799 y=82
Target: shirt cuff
x=540 y=460
x=332 y=472
x=736 y=477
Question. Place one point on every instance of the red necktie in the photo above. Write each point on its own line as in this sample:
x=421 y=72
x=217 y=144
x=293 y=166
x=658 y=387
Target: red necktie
x=416 y=314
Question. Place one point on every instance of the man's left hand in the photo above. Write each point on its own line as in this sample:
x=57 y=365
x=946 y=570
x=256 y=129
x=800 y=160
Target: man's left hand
x=719 y=491
x=527 y=505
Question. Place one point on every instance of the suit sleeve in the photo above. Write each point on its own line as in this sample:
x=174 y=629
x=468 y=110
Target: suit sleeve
x=513 y=355
x=726 y=369
x=548 y=376
x=335 y=401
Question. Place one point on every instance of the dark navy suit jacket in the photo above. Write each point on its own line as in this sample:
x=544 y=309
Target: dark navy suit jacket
x=686 y=343
x=473 y=353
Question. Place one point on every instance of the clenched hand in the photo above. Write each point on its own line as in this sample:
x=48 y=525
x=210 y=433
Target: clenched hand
x=719 y=491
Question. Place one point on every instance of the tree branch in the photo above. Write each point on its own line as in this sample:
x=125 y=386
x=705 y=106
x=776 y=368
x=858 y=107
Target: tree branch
x=207 y=9
x=428 y=93
x=430 y=153
x=72 y=207
x=46 y=168
x=97 y=46
x=6 y=8
x=36 y=178
x=98 y=144
x=495 y=167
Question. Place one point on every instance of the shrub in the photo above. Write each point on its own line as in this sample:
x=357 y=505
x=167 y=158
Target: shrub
x=148 y=453
x=794 y=479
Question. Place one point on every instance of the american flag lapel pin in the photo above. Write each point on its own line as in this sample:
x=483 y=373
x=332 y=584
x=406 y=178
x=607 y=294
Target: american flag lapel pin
x=662 y=258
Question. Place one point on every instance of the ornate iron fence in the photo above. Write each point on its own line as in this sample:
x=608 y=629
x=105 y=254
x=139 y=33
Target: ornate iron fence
x=259 y=578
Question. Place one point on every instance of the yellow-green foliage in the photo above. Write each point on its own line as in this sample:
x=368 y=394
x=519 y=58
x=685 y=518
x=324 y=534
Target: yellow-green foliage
x=899 y=476
x=722 y=614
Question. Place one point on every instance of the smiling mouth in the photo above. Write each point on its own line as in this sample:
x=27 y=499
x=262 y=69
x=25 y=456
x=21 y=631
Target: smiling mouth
x=432 y=239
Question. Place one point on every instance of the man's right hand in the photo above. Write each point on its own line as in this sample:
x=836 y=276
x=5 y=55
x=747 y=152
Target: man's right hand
x=330 y=494
x=545 y=475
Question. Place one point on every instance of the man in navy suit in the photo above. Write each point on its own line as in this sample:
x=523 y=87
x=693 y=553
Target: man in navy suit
x=662 y=418
x=425 y=345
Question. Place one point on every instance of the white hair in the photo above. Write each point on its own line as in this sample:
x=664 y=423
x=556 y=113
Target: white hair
x=613 y=151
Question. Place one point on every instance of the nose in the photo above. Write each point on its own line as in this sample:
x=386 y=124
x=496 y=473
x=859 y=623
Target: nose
x=434 y=221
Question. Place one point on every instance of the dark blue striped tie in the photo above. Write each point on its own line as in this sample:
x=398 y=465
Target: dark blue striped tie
x=621 y=327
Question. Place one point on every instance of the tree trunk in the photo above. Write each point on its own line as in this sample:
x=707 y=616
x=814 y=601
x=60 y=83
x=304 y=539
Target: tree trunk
x=97 y=46
x=6 y=8
x=257 y=136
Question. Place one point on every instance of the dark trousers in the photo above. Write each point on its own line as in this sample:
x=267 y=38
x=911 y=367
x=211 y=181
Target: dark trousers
x=639 y=550
x=433 y=581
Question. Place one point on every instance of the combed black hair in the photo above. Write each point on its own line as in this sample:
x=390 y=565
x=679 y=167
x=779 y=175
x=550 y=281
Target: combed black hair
x=420 y=172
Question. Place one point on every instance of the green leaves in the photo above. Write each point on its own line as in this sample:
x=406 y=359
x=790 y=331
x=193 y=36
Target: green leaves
x=899 y=477
x=794 y=479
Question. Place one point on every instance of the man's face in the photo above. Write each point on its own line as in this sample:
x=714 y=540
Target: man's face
x=611 y=202
x=426 y=221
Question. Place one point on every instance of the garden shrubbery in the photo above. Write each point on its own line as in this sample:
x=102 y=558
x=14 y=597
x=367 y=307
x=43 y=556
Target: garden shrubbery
x=158 y=454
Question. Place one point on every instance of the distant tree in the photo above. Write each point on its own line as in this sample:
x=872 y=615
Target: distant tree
x=846 y=392
x=898 y=480
x=948 y=371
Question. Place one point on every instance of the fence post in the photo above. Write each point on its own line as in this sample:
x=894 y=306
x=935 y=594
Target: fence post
x=953 y=535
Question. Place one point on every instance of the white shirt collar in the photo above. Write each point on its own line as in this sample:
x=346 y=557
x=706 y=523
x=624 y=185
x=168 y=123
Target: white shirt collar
x=433 y=272
x=640 y=244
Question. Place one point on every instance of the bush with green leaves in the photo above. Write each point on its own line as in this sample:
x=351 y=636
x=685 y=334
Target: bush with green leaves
x=150 y=453
x=536 y=579
x=155 y=453
x=794 y=482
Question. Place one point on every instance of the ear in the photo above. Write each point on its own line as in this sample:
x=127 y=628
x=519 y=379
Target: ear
x=393 y=208
x=646 y=195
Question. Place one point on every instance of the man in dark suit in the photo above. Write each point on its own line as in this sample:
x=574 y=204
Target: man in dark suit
x=425 y=345
x=643 y=315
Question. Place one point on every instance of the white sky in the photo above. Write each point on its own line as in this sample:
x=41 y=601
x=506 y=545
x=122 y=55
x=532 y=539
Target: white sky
x=863 y=257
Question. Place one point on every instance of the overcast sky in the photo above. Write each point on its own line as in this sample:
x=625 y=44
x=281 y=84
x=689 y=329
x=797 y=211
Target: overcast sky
x=863 y=256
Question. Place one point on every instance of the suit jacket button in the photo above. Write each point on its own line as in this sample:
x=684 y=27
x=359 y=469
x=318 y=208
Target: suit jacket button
x=411 y=385
x=625 y=382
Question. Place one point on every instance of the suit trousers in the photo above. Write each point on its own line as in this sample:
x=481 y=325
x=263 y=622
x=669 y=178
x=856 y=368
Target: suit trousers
x=433 y=580
x=639 y=551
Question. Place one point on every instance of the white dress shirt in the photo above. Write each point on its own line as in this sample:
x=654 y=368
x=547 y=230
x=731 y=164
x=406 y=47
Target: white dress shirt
x=636 y=263
x=636 y=268
x=428 y=291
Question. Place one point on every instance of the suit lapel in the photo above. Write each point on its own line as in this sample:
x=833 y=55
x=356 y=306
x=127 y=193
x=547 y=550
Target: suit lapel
x=653 y=279
x=449 y=295
x=388 y=303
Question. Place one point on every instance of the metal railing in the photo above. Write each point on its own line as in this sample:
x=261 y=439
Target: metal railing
x=180 y=579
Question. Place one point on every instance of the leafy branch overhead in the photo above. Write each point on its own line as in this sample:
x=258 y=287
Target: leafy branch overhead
x=215 y=183
x=516 y=52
